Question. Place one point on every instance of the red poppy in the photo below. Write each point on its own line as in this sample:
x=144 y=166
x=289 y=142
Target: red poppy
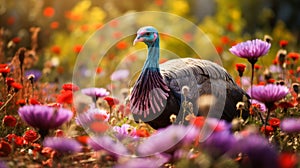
x=77 y=48
x=49 y=12
x=275 y=61
x=274 y=122
x=225 y=40
x=3 y=65
x=219 y=49
x=21 y=102
x=240 y=68
x=142 y=132
x=159 y=2
x=99 y=126
x=122 y=45
x=16 y=40
x=54 y=25
x=283 y=43
x=16 y=86
x=30 y=136
x=267 y=130
x=257 y=67
x=271 y=80
x=9 y=121
x=198 y=121
x=99 y=117
x=288 y=160
x=293 y=55
x=285 y=105
x=19 y=141
x=66 y=96
x=9 y=81
x=83 y=139
x=5 y=70
x=5 y=148
x=34 y=101
x=55 y=49
x=99 y=70
x=111 y=101
x=70 y=86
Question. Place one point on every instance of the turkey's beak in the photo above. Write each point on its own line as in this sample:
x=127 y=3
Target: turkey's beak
x=138 y=39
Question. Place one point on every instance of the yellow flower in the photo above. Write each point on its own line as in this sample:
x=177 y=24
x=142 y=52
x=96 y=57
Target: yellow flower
x=180 y=7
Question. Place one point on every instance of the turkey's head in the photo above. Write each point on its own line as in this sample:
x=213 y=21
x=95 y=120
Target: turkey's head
x=148 y=35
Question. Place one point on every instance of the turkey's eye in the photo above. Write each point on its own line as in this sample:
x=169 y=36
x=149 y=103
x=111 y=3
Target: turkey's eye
x=148 y=34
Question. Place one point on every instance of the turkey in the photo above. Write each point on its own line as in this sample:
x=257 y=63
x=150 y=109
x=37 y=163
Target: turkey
x=177 y=85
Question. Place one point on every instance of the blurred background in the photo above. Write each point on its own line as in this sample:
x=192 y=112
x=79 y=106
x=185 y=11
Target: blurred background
x=65 y=27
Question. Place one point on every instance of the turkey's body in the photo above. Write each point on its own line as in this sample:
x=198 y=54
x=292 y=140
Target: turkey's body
x=157 y=93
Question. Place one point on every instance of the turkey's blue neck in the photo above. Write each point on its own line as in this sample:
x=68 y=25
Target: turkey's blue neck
x=153 y=56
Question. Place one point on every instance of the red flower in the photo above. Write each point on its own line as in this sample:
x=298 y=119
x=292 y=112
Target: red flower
x=16 y=86
x=34 y=101
x=30 y=136
x=82 y=139
x=77 y=48
x=21 y=102
x=9 y=121
x=225 y=40
x=198 y=121
x=271 y=80
x=240 y=68
x=54 y=25
x=142 y=132
x=219 y=49
x=267 y=130
x=59 y=133
x=70 y=86
x=283 y=43
x=99 y=126
x=19 y=141
x=5 y=148
x=16 y=40
x=122 y=45
x=294 y=56
x=4 y=70
x=111 y=101
x=257 y=67
x=56 y=49
x=9 y=81
x=99 y=70
x=274 y=122
x=66 y=96
x=288 y=160
x=49 y=12
x=285 y=105
x=3 y=65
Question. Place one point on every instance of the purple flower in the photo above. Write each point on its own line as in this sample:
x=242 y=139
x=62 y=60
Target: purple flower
x=63 y=145
x=124 y=131
x=262 y=106
x=219 y=143
x=251 y=49
x=119 y=75
x=44 y=117
x=95 y=92
x=108 y=144
x=93 y=114
x=290 y=125
x=269 y=93
x=167 y=140
x=35 y=73
x=258 y=150
x=275 y=69
x=3 y=164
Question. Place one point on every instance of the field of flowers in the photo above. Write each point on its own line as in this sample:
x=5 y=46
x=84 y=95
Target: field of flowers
x=54 y=116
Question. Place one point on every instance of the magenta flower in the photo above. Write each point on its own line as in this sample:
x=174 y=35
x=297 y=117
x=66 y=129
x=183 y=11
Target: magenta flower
x=124 y=131
x=92 y=115
x=62 y=145
x=290 y=125
x=251 y=49
x=95 y=92
x=167 y=140
x=262 y=106
x=269 y=93
x=44 y=117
